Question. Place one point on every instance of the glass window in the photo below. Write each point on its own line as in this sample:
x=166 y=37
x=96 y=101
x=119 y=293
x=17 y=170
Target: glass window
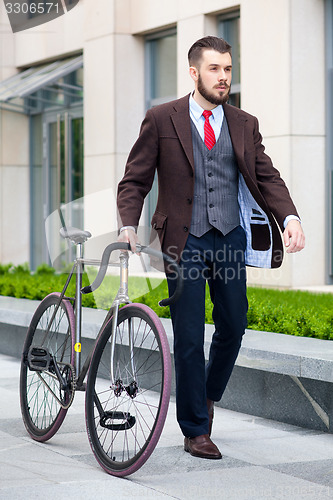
x=228 y=28
x=65 y=92
x=161 y=83
x=161 y=68
x=37 y=237
x=57 y=164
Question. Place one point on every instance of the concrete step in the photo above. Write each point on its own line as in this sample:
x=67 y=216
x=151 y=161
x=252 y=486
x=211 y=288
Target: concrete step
x=281 y=377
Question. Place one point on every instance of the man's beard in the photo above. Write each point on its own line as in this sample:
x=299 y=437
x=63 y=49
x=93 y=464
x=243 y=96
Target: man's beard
x=217 y=100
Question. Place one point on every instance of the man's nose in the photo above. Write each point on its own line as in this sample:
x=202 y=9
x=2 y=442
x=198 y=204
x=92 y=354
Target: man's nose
x=222 y=75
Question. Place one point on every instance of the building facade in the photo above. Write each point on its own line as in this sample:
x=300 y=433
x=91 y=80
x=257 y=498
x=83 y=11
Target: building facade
x=74 y=91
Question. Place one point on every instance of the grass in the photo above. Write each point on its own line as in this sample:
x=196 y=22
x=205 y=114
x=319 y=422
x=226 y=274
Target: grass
x=292 y=312
x=283 y=311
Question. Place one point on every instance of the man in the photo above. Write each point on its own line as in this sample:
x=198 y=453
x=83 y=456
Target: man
x=219 y=206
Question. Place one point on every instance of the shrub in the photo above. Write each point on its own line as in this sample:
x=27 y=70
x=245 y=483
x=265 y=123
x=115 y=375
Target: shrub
x=45 y=269
x=290 y=312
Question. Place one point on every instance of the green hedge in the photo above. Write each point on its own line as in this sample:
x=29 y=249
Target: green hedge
x=19 y=282
x=298 y=313
x=290 y=312
x=293 y=312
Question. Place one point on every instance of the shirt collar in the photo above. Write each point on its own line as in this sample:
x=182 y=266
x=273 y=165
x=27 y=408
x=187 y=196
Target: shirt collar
x=196 y=110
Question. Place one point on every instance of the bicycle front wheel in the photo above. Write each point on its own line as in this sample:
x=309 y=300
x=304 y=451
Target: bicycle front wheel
x=128 y=390
x=48 y=349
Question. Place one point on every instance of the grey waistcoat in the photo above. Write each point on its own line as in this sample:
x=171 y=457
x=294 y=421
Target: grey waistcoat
x=215 y=202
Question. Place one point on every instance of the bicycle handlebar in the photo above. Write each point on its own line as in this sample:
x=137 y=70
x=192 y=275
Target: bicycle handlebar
x=141 y=248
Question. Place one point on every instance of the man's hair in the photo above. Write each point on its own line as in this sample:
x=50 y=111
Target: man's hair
x=208 y=42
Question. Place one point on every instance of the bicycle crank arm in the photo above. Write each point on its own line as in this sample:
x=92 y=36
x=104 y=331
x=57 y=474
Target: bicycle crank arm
x=62 y=404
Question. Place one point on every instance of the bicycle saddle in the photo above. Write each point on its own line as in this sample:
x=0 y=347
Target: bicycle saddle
x=74 y=234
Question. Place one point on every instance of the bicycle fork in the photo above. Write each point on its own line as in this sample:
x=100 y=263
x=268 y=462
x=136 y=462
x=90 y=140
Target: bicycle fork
x=107 y=418
x=121 y=298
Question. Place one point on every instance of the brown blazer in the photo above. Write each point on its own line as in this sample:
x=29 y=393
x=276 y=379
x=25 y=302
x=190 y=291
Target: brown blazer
x=165 y=144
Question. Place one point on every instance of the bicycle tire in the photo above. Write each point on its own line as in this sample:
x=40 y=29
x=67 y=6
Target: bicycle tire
x=141 y=414
x=42 y=413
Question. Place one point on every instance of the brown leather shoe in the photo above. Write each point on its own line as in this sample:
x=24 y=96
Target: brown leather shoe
x=202 y=447
x=210 y=407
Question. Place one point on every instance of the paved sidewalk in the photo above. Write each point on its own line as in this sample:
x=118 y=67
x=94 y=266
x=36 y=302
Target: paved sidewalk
x=262 y=459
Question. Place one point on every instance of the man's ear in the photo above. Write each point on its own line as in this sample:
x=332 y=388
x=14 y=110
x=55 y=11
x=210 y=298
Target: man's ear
x=194 y=73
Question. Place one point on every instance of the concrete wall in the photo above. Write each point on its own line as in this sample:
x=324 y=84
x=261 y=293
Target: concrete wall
x=14 y=163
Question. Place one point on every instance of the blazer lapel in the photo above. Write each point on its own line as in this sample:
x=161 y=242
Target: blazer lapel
x=236 y=124
x=181 y=121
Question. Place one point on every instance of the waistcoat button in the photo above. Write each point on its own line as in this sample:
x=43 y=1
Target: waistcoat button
x=185 y=229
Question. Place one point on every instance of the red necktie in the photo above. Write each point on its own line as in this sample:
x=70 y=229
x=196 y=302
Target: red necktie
x=208 y=130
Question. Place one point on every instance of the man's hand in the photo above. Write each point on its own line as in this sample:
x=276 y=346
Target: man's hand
x=129 y=236
x=293 y=236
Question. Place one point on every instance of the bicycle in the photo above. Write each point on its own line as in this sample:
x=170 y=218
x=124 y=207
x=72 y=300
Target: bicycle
x=128 y=368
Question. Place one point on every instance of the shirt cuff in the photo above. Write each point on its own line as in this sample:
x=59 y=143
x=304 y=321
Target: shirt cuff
x=290 y=217
x=126 y=227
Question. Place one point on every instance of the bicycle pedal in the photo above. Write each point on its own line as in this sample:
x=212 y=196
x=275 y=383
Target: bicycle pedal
x=108 y=417
x=38 y=358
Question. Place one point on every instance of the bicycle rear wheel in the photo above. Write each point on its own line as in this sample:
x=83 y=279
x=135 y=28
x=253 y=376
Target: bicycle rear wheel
x=128 y=392
x=49 y=342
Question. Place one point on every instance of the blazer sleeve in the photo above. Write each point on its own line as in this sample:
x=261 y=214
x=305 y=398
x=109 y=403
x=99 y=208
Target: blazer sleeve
x=270 y=183
x=139 y=173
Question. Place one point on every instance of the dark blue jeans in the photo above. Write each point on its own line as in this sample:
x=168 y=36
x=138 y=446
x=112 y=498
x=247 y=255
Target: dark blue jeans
x=218 y=260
